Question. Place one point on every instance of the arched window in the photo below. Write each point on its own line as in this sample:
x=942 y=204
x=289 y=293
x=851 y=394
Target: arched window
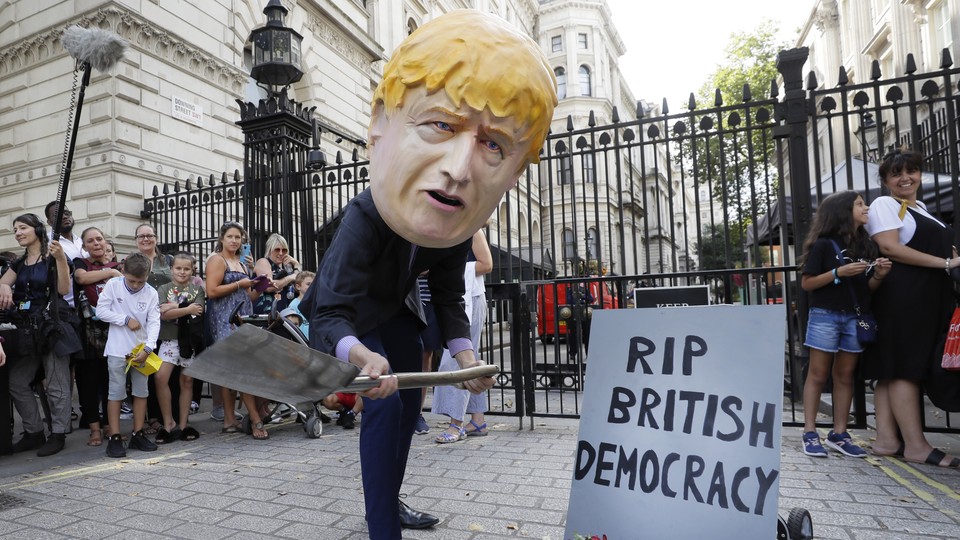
x=569 y=245
x=411 y=26
x=561 y=82
x=585 y=81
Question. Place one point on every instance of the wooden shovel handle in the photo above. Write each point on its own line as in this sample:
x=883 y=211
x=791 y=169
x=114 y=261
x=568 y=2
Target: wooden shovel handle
x=423 y=380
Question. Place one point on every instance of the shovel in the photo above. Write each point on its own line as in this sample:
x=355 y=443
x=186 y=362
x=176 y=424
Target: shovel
x=259 y=362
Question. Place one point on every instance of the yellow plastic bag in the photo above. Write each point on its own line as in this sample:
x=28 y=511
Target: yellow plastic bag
x=149 y=367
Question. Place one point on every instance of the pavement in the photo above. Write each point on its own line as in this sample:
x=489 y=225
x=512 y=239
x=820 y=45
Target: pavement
x=513 y=483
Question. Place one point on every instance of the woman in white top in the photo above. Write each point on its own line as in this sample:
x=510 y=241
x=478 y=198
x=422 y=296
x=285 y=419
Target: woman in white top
x=913 y=307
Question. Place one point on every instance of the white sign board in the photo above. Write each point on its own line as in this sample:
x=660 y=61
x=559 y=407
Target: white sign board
x=186 y=110
x=680 y=426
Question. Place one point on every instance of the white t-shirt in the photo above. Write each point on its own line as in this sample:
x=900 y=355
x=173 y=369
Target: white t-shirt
x=116 y=303
x=884 y=216
x=73 y=249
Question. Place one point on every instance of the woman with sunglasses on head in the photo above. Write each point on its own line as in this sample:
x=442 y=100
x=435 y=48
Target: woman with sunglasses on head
x=913 y=307
x=282 y=269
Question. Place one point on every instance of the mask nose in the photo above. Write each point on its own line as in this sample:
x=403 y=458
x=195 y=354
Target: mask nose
x=456 y=163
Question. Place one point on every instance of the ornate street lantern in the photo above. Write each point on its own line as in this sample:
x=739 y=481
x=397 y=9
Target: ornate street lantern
x=276 y=49
x=867 y=134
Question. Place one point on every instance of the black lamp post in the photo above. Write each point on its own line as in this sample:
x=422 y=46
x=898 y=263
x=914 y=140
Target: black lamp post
x=868 y=137
x=276 y=50
x=277 y=141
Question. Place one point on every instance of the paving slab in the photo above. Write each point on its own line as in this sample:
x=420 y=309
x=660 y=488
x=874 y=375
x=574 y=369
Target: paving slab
x=513 y=483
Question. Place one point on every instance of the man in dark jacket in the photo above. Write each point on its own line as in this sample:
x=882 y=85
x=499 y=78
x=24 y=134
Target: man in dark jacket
x=464 y=106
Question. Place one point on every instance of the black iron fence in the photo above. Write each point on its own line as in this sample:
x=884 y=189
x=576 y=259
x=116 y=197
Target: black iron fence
x=716 y=197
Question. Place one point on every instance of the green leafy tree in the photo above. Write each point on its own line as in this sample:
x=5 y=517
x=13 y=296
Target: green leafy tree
x=727 y=151
x=721 y=248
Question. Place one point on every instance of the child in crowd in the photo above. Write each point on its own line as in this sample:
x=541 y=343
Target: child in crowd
x=836 y=271
x=130 y=306
x=303 y=282
x=348 y=405
x=181 y=330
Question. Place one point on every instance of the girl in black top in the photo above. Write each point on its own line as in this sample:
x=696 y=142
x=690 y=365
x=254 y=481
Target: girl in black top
x=835 y=270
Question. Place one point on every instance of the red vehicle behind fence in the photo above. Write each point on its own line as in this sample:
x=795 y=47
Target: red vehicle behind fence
x=553 y=309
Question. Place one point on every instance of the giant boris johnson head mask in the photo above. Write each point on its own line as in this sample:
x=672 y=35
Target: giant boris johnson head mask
x=465 y=104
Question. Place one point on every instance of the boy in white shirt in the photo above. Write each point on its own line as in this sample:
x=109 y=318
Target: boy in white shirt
x=132 y=308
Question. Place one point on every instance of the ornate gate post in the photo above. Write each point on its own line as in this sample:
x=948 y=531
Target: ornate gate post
x=276 y=141
x=277 y=134
x=794 y=114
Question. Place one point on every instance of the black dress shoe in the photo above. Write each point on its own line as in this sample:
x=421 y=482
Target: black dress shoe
x=411 y=519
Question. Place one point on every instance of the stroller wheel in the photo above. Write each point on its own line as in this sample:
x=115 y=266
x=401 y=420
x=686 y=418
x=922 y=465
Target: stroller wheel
x=313 y=427
x=800 y=524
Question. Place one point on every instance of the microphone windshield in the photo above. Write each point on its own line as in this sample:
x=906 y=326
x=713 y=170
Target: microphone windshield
x=100 y=48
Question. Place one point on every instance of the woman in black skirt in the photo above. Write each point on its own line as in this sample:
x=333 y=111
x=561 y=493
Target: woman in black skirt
x=913 y=307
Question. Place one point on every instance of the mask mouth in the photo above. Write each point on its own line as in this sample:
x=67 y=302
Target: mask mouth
x=445 y=200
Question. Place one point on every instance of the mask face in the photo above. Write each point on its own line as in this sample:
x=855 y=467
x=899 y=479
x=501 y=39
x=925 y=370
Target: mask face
x=437 y=170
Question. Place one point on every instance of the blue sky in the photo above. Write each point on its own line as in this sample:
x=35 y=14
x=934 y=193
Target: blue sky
x=674 y=45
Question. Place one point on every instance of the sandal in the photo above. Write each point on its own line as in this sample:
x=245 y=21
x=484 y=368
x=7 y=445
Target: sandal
x=236 y=428
x=477 y=431
x=189 y=433
x=95 y=439
x=153 y=428
x=164 y=436
x=935 y=457
x=259 y=427
x=447 y=437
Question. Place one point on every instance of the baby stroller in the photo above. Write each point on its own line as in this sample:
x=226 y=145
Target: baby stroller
x=311 y=418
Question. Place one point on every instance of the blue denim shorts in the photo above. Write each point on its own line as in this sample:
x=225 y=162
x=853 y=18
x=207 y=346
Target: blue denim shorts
x=831 y=331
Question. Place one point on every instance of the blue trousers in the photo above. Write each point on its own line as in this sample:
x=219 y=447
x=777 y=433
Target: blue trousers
x=388 y=424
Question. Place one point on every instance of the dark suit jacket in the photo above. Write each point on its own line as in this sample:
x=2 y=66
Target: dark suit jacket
x=366 y=275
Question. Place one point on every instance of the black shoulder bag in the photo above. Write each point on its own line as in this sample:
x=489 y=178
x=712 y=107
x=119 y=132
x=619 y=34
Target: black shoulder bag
x=866 y=323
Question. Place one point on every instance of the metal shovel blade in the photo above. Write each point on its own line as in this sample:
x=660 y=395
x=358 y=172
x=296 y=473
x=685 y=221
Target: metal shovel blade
x=259 y=362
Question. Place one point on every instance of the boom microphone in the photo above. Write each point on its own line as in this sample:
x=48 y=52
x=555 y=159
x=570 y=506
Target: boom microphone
x=91 y=48
x=99 y=48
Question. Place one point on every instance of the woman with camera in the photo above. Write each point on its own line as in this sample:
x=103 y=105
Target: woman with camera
x=282 y=269
x=45 y=339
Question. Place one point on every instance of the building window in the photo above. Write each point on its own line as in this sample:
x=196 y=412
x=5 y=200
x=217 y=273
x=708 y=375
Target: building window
x=942 y=24
x=556 y=43
x=561 y=82
x=588 y=173
x=582 y=41
x=585 y=81
x=566 y=169
x=569 y=245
